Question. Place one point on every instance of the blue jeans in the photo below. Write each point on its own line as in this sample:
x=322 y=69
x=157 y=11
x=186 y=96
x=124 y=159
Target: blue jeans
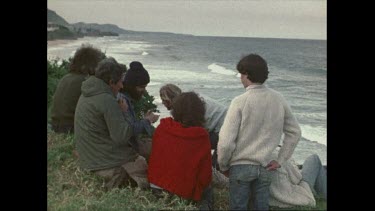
x=315 y=175
x=207 y=200
x=246 y=181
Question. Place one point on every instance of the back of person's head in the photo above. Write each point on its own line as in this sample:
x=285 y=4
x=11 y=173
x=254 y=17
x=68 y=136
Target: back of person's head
x=136 y=75
x=169 y=92
x=255 y=67
x=189 y=109
x=86 y=59
x=109 y=71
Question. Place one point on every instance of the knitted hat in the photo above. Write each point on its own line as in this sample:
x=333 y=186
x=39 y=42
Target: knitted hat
x=136 y=75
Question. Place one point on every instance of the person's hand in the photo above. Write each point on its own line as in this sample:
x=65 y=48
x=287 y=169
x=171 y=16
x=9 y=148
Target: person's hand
x=123 y=105
x=273 y=165
x=151 y=116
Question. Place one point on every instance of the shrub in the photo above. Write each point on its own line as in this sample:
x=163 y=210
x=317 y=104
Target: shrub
x=55 y=71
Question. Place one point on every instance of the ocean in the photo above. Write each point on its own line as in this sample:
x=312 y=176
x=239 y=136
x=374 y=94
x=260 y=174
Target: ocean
x=207 y=65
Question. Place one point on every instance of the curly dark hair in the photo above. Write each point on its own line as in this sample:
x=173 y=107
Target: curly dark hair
x=86 y=59
x=255 y=67
x=189 y=109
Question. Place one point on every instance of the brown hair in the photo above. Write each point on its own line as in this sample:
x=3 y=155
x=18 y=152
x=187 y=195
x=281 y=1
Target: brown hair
x=255 y=67
x=86 y=59
x=169 y=92
x=189 y=109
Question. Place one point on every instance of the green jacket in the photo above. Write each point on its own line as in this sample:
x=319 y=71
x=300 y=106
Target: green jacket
x=65 y=99
x=101 y=131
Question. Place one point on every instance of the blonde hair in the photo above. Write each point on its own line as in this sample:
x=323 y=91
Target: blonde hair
x=169 y=92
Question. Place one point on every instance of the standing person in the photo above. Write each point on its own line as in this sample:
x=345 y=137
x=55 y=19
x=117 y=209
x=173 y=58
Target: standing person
x=214 y=116
x=180 y=160
x=252 y=129
x=134 y=87
x=291 y=186
x=102 y=134
x=68 y=90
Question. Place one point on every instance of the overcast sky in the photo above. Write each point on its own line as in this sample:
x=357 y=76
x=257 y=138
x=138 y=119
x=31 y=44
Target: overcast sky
x=301 y=19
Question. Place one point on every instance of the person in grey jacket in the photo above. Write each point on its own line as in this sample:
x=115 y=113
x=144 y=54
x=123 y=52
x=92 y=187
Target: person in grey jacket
x=102 y=133
x=214 y=116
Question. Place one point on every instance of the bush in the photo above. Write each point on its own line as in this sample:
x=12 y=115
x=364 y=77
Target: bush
x=145 y=104
x=55 y=71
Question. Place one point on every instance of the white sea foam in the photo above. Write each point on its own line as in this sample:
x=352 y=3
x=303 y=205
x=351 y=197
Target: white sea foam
x=111 y=46
x=153 y=83
x=235 y=86
x=219 y=69
x=312 y=115
x=168 y=75
x=318 y=134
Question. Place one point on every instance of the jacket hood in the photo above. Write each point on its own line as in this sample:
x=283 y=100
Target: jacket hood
x=94 y=86
x=176 y=129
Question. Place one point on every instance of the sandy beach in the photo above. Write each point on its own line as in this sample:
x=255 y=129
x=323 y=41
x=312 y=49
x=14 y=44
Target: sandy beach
x=63 y=48
x=54 y=43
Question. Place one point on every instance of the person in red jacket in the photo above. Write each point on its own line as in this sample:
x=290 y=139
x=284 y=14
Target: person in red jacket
x=180 y=159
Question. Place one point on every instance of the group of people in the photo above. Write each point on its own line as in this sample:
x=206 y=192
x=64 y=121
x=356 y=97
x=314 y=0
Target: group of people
x=202 y=145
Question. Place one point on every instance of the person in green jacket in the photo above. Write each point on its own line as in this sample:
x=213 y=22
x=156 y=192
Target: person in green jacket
x=102 y=132
x=68 y=89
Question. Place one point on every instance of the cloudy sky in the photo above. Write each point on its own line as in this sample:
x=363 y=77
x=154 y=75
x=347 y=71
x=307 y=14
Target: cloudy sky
x=301 y=19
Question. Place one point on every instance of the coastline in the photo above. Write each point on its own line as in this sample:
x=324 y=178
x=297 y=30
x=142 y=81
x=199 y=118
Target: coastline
x=54 y=47
x=54 y=43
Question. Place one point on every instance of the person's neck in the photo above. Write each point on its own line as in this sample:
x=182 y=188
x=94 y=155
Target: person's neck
x=252 y=85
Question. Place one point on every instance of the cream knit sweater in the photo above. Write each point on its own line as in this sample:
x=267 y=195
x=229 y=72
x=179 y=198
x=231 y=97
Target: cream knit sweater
x=287 y=187
x=253 y=128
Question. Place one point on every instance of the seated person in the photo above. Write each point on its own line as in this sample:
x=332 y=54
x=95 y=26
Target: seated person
x=133 y=90
x=214 y=116
x=293 y=187
x=101 y=132
x=68 y=90
x=180 y=160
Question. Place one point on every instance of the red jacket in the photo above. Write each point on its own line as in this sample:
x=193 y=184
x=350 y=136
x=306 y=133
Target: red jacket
x=180 y=160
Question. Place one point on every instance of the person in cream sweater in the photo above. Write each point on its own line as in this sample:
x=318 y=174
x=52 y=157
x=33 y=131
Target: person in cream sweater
x=252 y=130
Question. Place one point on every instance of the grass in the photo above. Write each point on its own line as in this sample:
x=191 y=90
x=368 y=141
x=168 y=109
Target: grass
x=70 y=188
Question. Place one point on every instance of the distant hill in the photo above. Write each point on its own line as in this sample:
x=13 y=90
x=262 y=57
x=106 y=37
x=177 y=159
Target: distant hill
x=59 y=28
x=101 y=27
x=53 y=17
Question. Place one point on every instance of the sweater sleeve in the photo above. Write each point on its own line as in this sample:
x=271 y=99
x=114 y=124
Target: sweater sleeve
x=228 y=135
x=292 y=134
x=119 y=129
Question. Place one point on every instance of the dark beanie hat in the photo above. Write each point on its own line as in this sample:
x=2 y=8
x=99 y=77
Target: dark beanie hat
x=136 y=75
